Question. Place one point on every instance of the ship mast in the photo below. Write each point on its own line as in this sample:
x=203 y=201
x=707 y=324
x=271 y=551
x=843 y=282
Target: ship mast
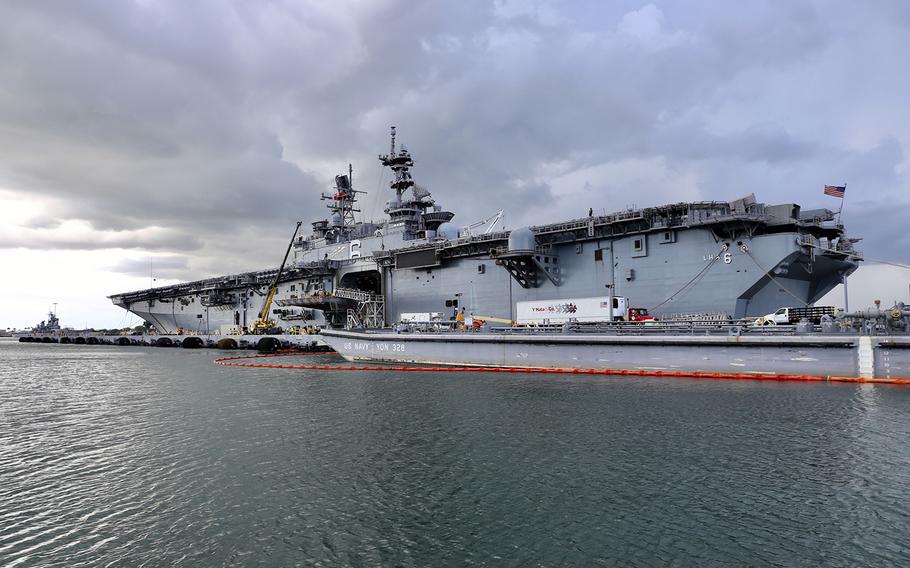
x=417 y=212
x=400 y=163
x=341 y=203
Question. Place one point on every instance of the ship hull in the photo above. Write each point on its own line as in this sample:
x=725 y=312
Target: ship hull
x=694 y=274
x=690 y=275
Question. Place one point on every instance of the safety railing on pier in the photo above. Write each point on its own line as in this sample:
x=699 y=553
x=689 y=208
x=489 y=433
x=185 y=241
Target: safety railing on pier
x=695 y=328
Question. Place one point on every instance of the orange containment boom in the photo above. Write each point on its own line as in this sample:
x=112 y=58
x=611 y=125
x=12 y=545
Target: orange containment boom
x=242 y=361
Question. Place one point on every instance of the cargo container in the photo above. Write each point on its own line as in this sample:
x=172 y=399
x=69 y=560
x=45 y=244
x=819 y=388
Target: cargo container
x=566 y=310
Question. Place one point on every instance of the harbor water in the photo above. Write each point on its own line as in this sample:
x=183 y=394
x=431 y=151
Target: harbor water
x=141 y=456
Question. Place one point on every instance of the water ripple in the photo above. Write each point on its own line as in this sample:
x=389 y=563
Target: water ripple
x=147 y=457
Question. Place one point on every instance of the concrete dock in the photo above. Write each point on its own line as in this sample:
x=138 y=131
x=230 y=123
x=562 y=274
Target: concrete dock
x=260 y=342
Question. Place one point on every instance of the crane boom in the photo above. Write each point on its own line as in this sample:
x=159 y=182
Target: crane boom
x=490 y=222
x=263 y=322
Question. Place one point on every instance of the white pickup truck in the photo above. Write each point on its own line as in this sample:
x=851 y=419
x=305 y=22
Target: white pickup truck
x=787 y=316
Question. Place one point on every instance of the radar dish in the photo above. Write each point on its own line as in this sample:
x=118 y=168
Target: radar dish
x=420 y=192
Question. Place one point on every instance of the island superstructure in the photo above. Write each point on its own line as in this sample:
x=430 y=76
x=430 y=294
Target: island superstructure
x=738 y=258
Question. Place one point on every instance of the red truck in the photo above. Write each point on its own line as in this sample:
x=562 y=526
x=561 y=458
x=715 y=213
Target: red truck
x=639 y=314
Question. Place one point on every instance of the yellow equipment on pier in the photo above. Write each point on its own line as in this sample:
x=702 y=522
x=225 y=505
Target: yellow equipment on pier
x=264 y=325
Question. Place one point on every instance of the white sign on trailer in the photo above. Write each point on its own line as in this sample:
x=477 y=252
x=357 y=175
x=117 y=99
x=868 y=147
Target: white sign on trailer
x=415 y=317
x=565 y=310
x=420 y=317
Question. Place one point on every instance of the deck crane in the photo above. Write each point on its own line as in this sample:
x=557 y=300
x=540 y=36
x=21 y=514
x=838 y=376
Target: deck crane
x=263 y=324
x=490 y=222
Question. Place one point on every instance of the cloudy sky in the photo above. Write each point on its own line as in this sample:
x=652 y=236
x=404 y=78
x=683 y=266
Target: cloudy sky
x=189 y=136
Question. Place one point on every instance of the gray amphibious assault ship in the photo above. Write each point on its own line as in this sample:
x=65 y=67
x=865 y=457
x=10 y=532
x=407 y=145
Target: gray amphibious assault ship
x=740 y=258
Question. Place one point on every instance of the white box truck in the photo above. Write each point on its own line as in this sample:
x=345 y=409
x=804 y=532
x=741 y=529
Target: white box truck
x=566 y=310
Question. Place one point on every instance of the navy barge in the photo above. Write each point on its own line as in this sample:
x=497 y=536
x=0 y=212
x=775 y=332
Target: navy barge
x=670 y=348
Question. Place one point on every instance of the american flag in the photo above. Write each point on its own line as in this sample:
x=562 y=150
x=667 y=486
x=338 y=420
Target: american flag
x=835 y=190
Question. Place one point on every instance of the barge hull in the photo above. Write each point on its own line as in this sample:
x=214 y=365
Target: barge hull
x=817 y=355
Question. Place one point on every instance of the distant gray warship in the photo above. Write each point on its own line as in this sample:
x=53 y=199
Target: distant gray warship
x=49 y=327
x=740 y=258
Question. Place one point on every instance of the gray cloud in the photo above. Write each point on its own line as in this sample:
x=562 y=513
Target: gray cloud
x=42 y=222
x=166 y=266
x=82 y=236
x=222 y=121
